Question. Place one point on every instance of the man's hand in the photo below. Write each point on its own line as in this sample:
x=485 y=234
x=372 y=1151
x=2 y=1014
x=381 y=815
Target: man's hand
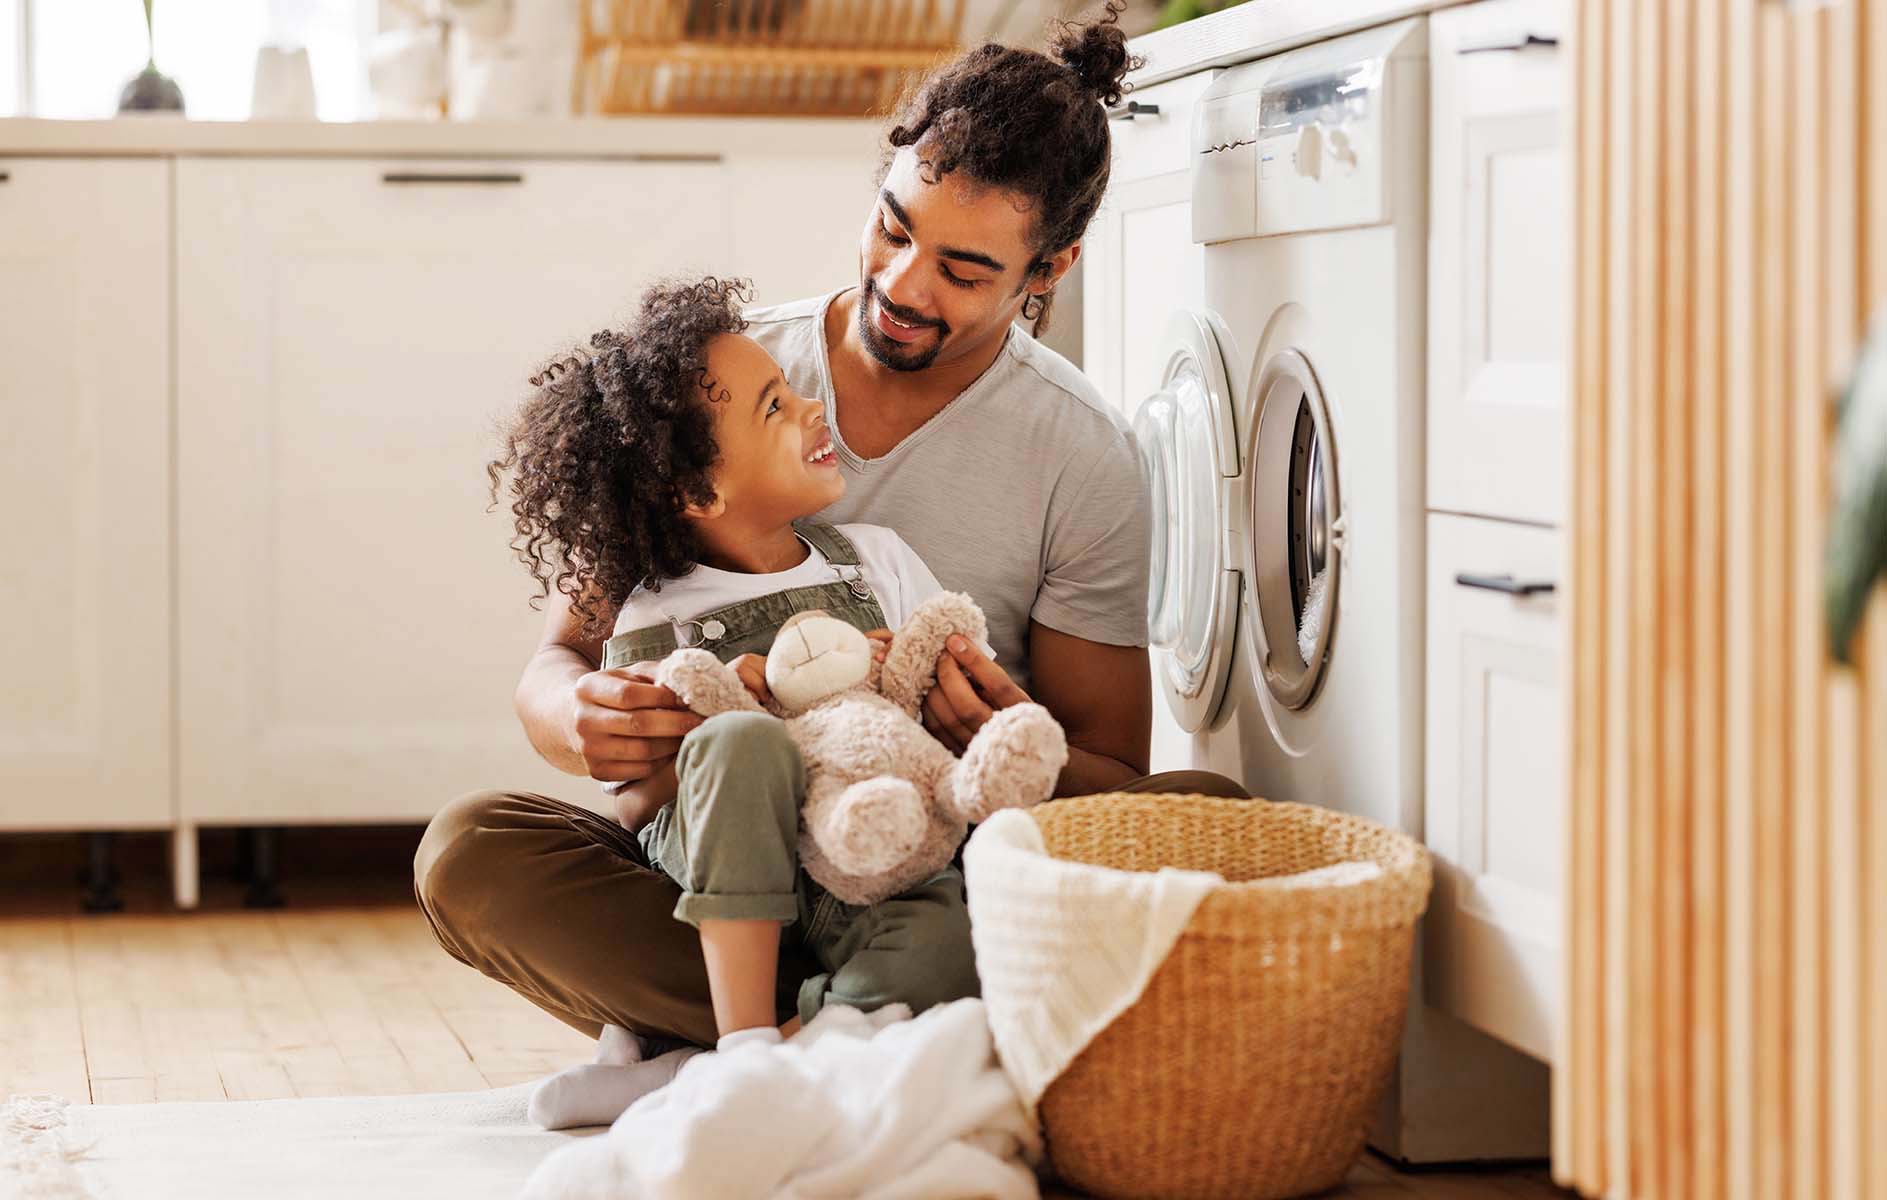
x=970 y=690
x=625 y=726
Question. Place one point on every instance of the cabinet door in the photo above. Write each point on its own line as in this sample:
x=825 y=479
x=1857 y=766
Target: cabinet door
x=1139 y=261
x=1499 y=292
x=352 y=623
x=1496 y=779
x=85 y=578
x=1142 y=268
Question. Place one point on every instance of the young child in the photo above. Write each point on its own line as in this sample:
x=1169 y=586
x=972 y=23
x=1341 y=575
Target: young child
x=670 y=475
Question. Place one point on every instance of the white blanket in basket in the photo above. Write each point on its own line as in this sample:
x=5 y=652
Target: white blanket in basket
x=856 y=1105
x=1063 y=947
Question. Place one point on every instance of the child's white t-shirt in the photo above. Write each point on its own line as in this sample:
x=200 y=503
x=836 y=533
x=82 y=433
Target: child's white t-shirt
x=898 y=577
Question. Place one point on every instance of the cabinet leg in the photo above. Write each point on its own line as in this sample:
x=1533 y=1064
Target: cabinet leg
x=184 y=871
x=265 y=868
x=101 y=875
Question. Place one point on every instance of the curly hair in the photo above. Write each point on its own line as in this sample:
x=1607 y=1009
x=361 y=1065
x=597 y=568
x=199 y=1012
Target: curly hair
x=1028 y=123
x=614 y=443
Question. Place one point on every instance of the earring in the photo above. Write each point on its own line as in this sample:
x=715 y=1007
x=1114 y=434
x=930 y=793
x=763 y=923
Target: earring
x=1039 y=301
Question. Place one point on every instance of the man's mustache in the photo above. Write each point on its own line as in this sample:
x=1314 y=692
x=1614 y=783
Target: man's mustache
x=902 y=315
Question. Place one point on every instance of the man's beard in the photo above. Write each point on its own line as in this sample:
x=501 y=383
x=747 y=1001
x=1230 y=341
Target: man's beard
x=893 y=354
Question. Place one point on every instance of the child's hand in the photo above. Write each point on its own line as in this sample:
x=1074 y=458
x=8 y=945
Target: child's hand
x=752 y=669
x=883 y=638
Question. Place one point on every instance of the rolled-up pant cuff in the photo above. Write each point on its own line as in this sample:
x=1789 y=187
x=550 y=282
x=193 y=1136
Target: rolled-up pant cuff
x=696 y=907
x=812 y=996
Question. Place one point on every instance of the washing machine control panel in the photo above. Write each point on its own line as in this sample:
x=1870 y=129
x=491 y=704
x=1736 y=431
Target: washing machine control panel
x=1306 y=140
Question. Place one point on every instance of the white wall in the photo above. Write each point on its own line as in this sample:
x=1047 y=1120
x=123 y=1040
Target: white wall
x=12 y=15
x=84 y=51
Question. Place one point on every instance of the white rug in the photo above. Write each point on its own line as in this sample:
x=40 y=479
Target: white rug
x=466 y=1145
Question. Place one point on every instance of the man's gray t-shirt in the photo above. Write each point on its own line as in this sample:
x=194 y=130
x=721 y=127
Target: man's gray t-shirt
x=1025 y=491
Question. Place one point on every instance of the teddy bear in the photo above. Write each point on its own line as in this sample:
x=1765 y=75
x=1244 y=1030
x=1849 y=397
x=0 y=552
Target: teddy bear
x=886 y=804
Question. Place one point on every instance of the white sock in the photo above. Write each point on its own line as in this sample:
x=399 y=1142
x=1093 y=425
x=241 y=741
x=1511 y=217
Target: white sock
x=597 y=1093
x=617 y=1047
x=763 y=1035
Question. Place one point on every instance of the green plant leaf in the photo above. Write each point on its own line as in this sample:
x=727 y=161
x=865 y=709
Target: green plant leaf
x=1856 y=556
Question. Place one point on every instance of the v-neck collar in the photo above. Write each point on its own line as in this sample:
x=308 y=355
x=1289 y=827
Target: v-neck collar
x=846 y=454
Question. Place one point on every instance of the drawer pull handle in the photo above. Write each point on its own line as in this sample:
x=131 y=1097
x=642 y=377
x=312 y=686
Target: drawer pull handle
x=4 y=176
x=1529 y=42
x=449 y=177
x=1507 y=584
x=1132 y=109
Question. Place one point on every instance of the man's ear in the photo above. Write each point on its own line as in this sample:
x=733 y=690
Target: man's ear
x=1049 y=277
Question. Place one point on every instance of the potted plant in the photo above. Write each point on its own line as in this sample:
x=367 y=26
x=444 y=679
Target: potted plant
x=1176 y=11
x=150 y=90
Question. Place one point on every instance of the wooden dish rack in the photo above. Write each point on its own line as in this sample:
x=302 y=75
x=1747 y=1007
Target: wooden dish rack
x=830 y=58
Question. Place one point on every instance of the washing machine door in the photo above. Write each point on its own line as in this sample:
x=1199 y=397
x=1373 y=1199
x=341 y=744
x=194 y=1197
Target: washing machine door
x=1190 y=452
x=1293 y=543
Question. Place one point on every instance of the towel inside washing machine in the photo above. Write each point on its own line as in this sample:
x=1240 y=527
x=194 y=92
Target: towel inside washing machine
x=1296 y=530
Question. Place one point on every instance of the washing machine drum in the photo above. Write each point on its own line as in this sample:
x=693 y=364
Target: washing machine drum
x=1293 y=546
x=1189 y=451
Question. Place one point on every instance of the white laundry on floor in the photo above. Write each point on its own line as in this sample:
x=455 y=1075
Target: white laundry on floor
x=856 y=1104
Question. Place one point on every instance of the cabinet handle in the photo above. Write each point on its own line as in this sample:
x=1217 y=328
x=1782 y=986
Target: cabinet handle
x=4 y=176
x=449 y=177
x=1528 y=42
x=1132 y=109
x=1506 y=583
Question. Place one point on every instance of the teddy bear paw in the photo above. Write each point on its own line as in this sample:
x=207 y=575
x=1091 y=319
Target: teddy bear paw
x=1013 y=762
x=875 y=825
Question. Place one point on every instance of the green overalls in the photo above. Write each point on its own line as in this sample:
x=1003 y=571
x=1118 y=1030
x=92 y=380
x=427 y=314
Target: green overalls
x=730 y=838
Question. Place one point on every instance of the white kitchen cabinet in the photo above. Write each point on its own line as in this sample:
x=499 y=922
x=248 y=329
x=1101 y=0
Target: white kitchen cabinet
x=1140 y=261
x=1496 y=776
x=1499 y=313
x=85 y=574
x=1141 y=269
x=351 y=624
x=1499 y=289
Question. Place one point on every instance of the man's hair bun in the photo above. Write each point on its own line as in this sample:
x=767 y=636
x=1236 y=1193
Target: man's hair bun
x=1097 y=53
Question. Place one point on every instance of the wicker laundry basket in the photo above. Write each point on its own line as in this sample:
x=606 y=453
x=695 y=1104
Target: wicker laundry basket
x=1252 y=1063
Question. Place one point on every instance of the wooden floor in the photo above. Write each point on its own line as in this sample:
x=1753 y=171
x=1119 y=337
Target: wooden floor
x=342 y=993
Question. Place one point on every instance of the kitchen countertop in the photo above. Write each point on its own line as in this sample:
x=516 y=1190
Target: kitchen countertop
x=572 y=137
x=1261 y=28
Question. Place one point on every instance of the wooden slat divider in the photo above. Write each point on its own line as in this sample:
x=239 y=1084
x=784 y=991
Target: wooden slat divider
x=1804 y=802
x=1676 y=800
x=1724 y=1032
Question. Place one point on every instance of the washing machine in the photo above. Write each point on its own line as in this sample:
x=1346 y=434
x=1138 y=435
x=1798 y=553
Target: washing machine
x=1284 y=446
x=1285 y=453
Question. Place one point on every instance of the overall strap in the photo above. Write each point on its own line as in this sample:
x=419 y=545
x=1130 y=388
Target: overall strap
x=650 y=644
x=825 y=538
x=746 y=626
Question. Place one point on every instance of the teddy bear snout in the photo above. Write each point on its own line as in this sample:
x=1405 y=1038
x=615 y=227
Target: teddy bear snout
x=815 y=658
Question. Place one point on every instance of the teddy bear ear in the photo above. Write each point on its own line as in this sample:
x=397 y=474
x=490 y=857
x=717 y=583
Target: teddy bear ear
x=910 y=666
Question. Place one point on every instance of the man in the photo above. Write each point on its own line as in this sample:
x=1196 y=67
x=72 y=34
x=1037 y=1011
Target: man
x=991 y=455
